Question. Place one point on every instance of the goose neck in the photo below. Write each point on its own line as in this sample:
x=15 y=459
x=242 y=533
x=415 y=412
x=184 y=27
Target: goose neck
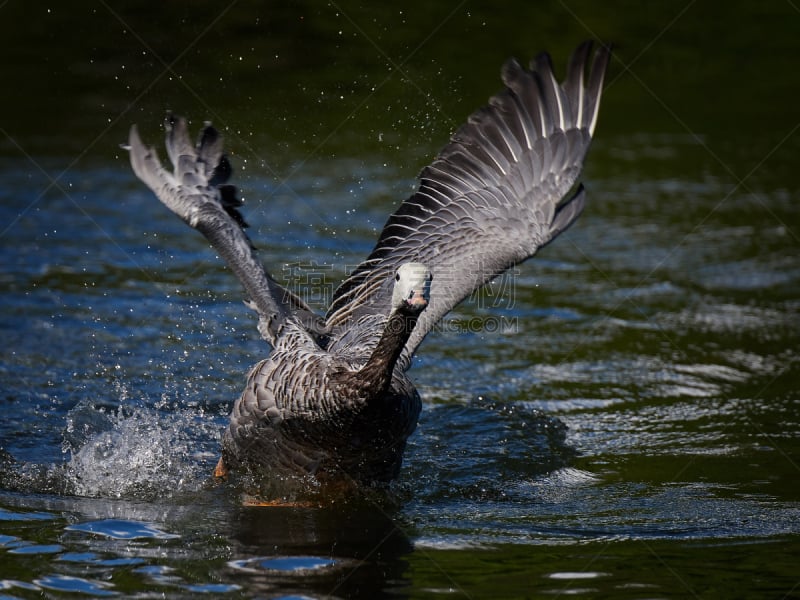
x=377 y=371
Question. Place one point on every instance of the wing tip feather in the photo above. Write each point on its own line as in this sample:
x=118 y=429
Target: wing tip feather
x=541 y=105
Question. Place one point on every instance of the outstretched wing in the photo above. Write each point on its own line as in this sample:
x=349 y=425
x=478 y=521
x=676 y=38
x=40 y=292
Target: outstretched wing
x=198 y=193
x=496 y=193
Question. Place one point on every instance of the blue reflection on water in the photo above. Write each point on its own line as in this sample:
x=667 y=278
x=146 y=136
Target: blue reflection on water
x=37 y=549
x=9 y=515
x=66 y=583
x=121 y=529
x=213 y=588
x=285 y=564
x=93 y=559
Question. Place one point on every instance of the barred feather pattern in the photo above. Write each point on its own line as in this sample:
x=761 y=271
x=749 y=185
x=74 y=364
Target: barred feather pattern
x=505 y=186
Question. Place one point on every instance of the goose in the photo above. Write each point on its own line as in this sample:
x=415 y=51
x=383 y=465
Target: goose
x=332 y=401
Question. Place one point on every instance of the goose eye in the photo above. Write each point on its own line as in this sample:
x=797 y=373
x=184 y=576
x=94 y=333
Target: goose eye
x=397 y=276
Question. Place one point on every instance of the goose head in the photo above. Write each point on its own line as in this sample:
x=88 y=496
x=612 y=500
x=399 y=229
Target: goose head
x=412 y=287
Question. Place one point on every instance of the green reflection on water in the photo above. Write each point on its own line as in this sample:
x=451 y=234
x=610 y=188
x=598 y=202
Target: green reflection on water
x=608 y=569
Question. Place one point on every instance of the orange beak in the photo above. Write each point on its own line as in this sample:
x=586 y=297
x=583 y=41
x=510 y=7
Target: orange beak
x=417 y=300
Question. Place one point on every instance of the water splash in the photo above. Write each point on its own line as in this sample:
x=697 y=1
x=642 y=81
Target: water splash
x=138 y=452
x=133 y=452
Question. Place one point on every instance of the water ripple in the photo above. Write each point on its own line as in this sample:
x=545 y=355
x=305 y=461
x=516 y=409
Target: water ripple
x=9 y=515
x=37 y=549
x=120 y=529
x=287 y=565
x=67 y=583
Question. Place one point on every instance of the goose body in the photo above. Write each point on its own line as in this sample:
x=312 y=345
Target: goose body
x=332 y=399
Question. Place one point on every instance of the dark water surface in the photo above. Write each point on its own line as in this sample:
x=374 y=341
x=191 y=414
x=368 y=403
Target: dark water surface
x=617 y=418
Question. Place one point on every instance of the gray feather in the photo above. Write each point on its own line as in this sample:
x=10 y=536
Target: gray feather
x=196 y=192
x=493 y=196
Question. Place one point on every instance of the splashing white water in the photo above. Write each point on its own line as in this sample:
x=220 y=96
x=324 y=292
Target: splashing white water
x=140 y=452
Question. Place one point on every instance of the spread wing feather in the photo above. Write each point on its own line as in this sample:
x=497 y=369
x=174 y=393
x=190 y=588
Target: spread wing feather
x=198 y=193
x=498 y=192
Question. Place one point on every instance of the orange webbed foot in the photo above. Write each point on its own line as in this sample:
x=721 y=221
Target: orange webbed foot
x=221 y=471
